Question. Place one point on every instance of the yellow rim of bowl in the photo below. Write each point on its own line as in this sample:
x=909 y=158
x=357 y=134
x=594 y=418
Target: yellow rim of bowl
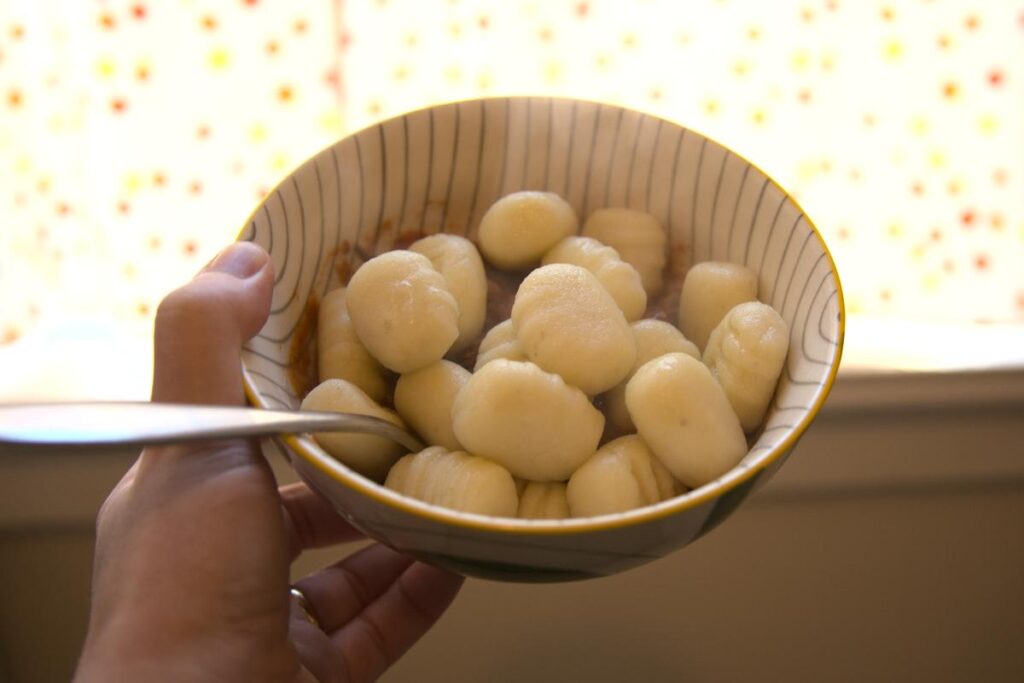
x=319 y=458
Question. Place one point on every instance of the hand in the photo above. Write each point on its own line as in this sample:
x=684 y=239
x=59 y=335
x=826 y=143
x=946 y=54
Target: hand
x=194 y=544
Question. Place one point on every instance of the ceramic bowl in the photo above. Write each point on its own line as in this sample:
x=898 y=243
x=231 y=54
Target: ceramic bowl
x=438 y=170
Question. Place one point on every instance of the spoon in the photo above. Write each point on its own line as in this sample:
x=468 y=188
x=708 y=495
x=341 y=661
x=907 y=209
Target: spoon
x=90 y=424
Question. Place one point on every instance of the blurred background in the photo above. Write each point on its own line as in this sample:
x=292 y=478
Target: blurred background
x=136 y=137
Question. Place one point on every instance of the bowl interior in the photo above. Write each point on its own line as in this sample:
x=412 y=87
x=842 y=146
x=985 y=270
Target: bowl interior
x=439 y=169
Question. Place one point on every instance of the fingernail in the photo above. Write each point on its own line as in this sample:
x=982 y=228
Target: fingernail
x=241 y=259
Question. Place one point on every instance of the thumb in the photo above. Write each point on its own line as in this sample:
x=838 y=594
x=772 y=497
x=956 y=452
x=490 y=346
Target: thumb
x=200 y=328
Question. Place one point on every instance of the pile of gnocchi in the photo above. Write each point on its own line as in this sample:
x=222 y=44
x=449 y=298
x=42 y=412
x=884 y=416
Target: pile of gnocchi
x=576 y=405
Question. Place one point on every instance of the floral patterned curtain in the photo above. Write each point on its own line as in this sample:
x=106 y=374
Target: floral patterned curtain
x=136 y=136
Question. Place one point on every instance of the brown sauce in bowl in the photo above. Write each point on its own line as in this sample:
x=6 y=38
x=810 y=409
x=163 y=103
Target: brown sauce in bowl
x=501 y=292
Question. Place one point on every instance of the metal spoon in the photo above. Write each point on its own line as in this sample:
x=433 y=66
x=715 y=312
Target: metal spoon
x=64 y=426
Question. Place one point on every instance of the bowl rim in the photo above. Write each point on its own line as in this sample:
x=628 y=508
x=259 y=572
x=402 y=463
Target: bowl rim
x=737 y=475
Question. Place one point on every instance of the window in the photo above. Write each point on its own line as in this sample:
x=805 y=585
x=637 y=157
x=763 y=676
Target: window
x=136 y=136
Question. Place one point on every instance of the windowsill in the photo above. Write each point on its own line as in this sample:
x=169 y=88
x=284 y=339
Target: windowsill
x=97 y=359
x=876 y=433
x=867 y=391
x=881 y=429
x=886 y=344
x=899 y=433
x=79 y=359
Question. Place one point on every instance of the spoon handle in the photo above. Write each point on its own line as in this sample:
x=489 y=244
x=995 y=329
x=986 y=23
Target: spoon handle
x=91 y=424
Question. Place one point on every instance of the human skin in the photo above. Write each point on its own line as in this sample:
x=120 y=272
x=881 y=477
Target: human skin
x=193 y=546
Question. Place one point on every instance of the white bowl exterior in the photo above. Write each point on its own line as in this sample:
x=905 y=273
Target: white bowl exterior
x=438 y=170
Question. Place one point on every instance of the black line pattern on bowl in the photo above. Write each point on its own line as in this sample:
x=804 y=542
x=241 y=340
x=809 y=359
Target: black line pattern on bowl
x=286 y=390
x=635 y=146
x=714 y=205
x=736 y=208
x=477 y=163
x=281 y=404
x=650 y=167
x=607 y=166
x=328 y=281
x=692 y=227
x=287 y=261
x=808 y=329
x=286 y=396
x=709 y=176
x=465 y=163
x=668 y=221
x=822 y=317
x=295 y=314
x=279 y=275
x=793 y=271
x=783 y=255
x=805 y=355
x=383 y=185
x=753 y=221
x=507 y=131
x=403 y=208
x=767 y=236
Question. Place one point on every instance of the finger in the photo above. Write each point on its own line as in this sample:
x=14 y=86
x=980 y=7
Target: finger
x=311 y=522
x=392 y=623
x=200 y=328
x=338 y=593
x=318 y=657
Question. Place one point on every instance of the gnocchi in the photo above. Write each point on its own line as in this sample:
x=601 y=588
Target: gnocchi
x=617 y=277
x=367 y=454
x=709 y=290
x=543 y=500
x=745 y=353
x=653 y=338
x=568 y=324
x=455 y=480
x=459 y=263
x=684 y=416
x=402 y=310
x=520 y=436
x=424 y=400
x=622 y=475
x=637 y=237
x=340 y=353
x=499 y=342
x=519 y=228
x=528 y=420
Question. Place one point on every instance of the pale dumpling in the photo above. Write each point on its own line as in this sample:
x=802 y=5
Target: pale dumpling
x=568 y=324
x=684 y=416
x=456 y=480
x=637 y=237
x=543 y=500
x=499 y=342
x=340 y=353
x=619 y=278
x=402 y=310
x=653 y=338
x=367 y=454
x=528 y=420
x=746 y=353
x=709 y=291
x=424 y=399
x=519 y=228
x=458 y=261
x=621 y=476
